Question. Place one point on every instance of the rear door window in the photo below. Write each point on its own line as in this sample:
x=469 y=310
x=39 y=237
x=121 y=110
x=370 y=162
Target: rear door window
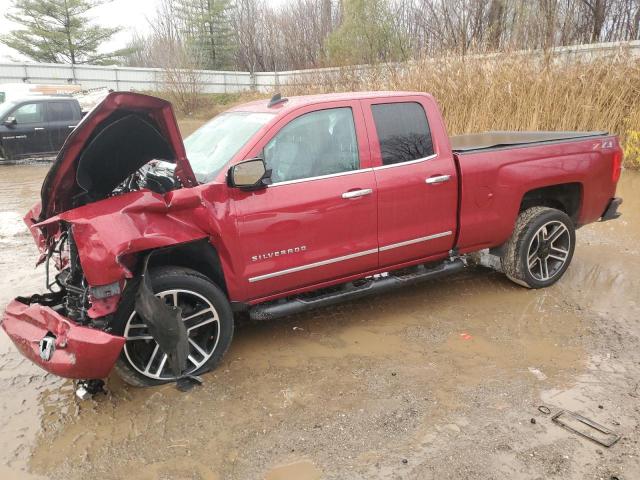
x=314 y=144
x=60 y=112
x=29 y=113
x=403 y=132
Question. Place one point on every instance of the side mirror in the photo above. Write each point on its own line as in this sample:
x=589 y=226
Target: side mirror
x=249 y=175
x=10 y=122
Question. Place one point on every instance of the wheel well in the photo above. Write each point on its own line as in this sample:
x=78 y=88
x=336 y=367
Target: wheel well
x=566 y=197
x=200 y=256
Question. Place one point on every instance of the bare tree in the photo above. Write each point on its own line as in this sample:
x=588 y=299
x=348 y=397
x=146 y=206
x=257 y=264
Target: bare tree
x=598 y=11
x=294 y=34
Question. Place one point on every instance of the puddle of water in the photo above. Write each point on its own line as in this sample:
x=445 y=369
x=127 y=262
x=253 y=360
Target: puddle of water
x=302 y=470
x=11 y=224
x=20 y=186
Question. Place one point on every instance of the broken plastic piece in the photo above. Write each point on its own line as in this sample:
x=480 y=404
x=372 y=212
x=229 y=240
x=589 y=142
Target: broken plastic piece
x=167 y=328
x=586 y=428
x=165 y=325
x=186 y=383
x=88 y=388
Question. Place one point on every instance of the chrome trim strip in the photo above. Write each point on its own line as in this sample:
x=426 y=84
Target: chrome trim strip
x=415 y=240
x=418 y=160
x=352 y=172
x=330 y=175
x=322 y=263
x=312 y=265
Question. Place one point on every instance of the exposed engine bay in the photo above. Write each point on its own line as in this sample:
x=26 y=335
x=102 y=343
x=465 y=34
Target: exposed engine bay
x=69 y=288
x=122 y=157
x=157 y=176
x=69 y=281
x=127 y=154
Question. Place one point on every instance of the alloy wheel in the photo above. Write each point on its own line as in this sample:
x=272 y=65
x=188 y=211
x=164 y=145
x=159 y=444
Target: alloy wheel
x=548 y=250
x=203 y=327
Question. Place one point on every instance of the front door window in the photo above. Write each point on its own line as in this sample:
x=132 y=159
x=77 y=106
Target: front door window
x=29 y=113
x=315 y=144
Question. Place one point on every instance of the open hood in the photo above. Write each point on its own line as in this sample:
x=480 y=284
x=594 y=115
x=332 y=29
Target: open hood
x=116 y=138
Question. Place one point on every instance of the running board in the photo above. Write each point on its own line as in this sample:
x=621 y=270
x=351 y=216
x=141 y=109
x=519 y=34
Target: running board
x=353 y=290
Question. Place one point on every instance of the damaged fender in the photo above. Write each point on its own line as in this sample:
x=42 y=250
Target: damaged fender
x=108 y=234
x=111 y=235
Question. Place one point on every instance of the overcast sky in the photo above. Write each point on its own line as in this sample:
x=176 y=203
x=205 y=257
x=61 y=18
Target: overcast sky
x=130 y=14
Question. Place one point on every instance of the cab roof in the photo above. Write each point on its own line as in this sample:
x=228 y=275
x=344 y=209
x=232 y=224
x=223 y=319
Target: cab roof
x=39 y=98
x=296 y=102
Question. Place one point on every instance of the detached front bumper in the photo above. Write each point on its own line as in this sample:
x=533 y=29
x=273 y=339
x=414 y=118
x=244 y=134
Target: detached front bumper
x=72 y=351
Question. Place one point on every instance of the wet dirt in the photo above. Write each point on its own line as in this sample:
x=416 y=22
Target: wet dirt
x=440 y=380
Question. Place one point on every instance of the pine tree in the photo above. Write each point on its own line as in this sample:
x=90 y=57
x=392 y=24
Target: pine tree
x=205 y=28
x=59 y=31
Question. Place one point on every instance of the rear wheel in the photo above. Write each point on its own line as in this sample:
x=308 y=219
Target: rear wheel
x=207 y=316
x=540 y=248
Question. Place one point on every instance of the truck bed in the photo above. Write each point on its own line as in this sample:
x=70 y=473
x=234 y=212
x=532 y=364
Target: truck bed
x=498 y=169
x=474 y=142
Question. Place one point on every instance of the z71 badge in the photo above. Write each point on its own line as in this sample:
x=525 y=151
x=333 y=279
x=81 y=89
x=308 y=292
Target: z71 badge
x=278 y=253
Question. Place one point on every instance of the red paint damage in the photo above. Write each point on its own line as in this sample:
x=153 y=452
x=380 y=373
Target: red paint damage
x=107 y=232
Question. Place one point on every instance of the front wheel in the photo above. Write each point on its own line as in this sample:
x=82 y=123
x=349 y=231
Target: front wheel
x=206 y=313
x=540 y=248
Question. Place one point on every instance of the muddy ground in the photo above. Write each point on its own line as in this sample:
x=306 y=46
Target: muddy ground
x=441 y=380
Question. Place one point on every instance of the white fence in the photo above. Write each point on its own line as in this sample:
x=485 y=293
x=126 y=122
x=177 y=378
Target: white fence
x=126 y=78
x=116 y=78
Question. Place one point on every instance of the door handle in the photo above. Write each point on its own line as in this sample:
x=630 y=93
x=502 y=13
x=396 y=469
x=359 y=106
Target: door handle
x=438 y=179
x=72 y=126
x=37 y=129
x=357 y=193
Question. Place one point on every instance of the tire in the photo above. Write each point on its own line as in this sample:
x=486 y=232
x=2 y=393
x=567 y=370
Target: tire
x=211 y=331
x=540 y=248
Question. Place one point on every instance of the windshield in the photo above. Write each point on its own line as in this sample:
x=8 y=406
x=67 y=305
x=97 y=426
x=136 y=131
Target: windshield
x=211 y=147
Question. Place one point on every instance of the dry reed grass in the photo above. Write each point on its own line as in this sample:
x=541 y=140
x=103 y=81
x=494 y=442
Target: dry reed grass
x=511 y=92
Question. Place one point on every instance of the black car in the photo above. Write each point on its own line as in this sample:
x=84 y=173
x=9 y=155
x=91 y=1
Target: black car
x=37 y=126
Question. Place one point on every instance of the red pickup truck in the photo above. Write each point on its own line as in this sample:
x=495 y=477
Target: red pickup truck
x=277 y=207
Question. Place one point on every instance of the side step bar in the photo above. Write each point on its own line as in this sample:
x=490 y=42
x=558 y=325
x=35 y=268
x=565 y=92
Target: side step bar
x=353 y=290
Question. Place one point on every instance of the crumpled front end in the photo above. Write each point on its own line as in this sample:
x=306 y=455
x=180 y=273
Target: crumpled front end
x=65 y=331
x=57 y=344
x=120 y=188
x=91 y=255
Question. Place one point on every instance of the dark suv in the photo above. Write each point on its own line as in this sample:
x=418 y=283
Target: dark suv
x=36 y=126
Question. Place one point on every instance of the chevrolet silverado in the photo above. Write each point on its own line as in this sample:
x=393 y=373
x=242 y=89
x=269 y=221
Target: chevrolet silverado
x=151 y=245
